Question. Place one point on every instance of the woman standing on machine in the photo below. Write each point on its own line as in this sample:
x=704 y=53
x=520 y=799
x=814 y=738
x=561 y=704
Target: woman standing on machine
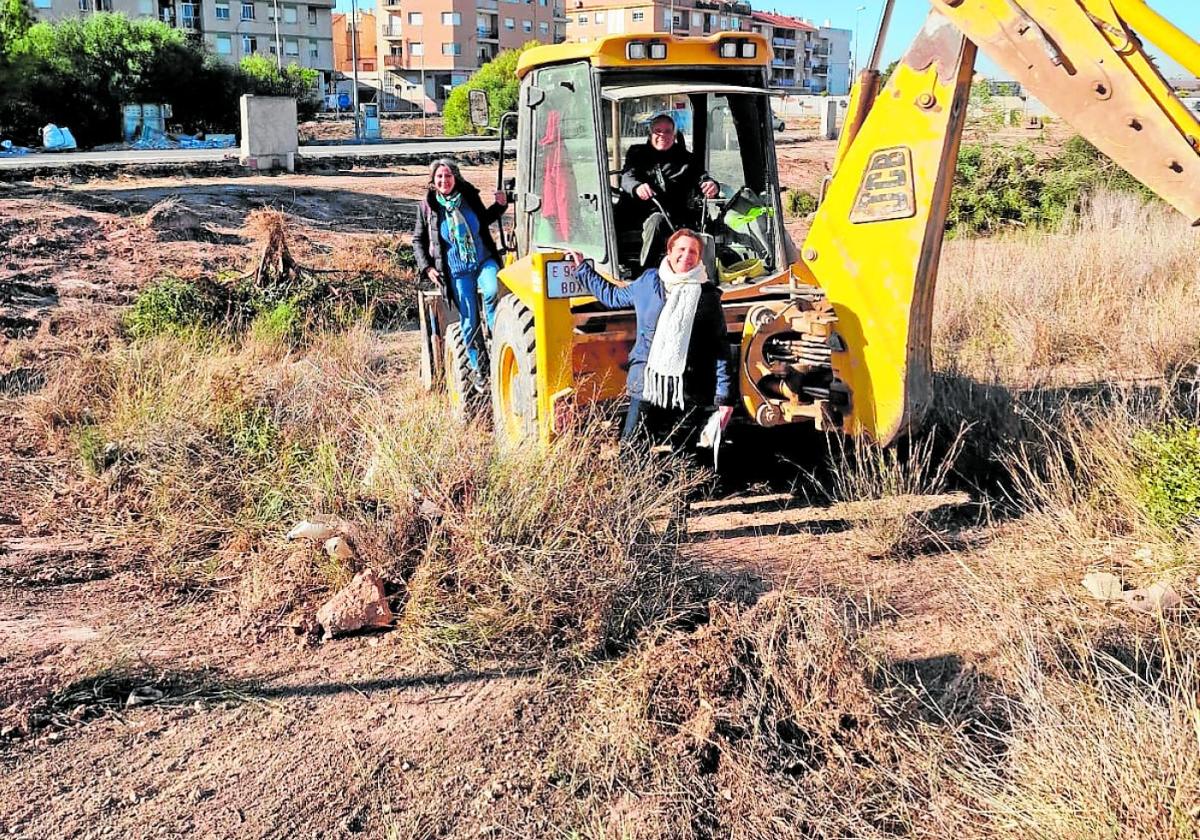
x=454 y=248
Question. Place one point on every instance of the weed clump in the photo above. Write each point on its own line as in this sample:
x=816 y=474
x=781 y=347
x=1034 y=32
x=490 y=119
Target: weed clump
x=800 y=203
x=173 y=307
x=998 y=186
x=1167 y=458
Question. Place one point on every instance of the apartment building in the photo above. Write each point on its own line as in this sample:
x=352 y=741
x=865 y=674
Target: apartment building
x=299 y=33
x=807 y=58
x=365 y=33
x=427 y=47
x=588 y=20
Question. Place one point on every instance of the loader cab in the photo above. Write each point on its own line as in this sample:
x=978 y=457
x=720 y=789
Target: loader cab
x=578 y=121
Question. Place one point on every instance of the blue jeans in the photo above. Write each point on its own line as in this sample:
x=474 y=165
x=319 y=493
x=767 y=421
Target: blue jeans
x=468 y=287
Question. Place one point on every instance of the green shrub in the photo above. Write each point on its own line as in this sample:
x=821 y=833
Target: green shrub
x=283 y=322
x=800 y=203
x=999 y=186
x=499 y=79
x=171 y=307
x=93 y=449
x=1168 y=471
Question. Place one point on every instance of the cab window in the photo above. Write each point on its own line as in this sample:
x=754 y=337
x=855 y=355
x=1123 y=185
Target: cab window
x=565 y=176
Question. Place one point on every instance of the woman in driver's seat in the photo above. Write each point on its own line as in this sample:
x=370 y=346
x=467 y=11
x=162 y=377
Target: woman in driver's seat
x=662 y=168
x=679 y=368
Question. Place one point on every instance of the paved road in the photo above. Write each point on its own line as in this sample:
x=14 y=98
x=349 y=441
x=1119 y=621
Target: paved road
x=408 y=147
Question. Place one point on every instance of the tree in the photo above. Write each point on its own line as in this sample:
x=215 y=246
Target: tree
x=499 y=79
x=15 y=19
x=263 y=77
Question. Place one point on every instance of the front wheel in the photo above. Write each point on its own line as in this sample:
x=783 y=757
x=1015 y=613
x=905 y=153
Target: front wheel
x=459 y=392
x=514 y=373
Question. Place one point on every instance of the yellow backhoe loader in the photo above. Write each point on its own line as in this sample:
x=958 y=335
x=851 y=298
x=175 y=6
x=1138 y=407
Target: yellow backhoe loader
x=838 y=333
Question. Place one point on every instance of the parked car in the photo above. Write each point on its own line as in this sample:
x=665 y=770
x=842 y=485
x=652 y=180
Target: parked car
x=777 y=122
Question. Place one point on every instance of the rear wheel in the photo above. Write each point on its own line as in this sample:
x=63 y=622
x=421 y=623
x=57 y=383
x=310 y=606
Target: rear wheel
x=459 y=393
x=514 y=373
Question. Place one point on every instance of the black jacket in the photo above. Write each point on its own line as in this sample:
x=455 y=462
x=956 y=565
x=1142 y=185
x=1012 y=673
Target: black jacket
x=675 y=175
x=428 y=246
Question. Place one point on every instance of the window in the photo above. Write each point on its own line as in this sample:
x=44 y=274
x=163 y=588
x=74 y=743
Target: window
x=451 y=19
x=697 y=19
x=222 y=11
x=451 y=49
x=43 y=4
x=584 y=39
x=599 y=17
x=249 y=44
x=637 y=16
x=677 y=20
x=733 y=24
x=510 y=24
x=312 y=16
x=561 y=219
x=544 y=27
x=224 y=45
x=247 y=11
x=416 y=48
x=541 y=2
x=289 y=14
x=415 y=19
x=667 y=19
x=189 y=16
x=291 y=47
x=583 y=19
x=314 y=55
x=724 y=24
x=526 y=26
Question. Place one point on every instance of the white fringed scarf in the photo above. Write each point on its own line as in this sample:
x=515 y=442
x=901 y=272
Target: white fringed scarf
x=663 y=383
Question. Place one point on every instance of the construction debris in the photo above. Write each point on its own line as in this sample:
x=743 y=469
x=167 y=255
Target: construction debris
x=361 y=604
x=318 y=528
x=1156 y=598
x=1103 y=586
x=338 y=548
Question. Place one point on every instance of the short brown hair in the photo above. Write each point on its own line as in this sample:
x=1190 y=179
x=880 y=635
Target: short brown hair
x=681 y=234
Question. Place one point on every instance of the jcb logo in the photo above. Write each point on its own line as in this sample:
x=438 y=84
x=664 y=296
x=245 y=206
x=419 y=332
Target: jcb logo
x=887 y=188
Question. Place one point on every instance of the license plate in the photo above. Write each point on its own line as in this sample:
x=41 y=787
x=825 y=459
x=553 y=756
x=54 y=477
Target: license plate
x=561 y=282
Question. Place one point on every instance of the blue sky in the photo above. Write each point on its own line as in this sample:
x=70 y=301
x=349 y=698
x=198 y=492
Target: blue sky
x=908 y=17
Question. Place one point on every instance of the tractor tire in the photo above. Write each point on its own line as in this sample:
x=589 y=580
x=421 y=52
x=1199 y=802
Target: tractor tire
x=514 y=374
x=460 y=394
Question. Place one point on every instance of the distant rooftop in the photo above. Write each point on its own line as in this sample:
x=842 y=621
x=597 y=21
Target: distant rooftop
x=782 y=21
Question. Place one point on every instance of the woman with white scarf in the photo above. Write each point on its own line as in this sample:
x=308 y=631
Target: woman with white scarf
x=679 y=367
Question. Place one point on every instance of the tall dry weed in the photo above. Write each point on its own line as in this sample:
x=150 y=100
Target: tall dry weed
x=1113 y=293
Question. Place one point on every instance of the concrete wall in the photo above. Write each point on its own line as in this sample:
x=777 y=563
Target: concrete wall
x=806 y=105
x=269 y=133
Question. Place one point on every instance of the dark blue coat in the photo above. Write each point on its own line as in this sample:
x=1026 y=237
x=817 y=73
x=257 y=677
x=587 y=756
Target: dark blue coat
x=708 y=377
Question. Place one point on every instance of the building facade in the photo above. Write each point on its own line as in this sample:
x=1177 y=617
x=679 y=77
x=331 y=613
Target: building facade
x=427 y=47
x=807 y=58
x=296 y=33
x=364 y=33
x=588 y=20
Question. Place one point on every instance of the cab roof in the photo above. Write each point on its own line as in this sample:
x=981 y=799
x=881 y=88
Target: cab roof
x=610 y=51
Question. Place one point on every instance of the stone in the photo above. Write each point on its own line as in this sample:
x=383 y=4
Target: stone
x=319 y=528
x=361 y=604
x=338 y=548
x=1103 y=586
x=1158 y=597
x=142 y=696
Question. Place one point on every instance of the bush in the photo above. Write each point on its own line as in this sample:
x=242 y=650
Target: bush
x=171 y=307
x=1168 y=471
x=800 y=203
x=499 y=79
x=263 y=77
x=999 y=186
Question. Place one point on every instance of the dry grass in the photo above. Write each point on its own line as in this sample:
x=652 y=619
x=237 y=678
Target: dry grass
x=1114 y=293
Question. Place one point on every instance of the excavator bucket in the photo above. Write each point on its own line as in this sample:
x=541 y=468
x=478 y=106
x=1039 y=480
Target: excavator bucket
x=875 y=244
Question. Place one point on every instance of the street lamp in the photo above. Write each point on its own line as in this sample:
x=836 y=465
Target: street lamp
x=354 y=60
x=857 y=14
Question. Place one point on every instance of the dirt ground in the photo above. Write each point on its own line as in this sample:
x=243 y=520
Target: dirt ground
x=255 y=734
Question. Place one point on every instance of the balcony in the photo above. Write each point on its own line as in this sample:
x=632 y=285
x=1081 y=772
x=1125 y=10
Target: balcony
x=487 y=5
x=782 y=62
x=393 y=62
x=783 y=82
x=393 y=32
x=821 y=70
x=390 y=4
x=783 y=42
x=484 y=33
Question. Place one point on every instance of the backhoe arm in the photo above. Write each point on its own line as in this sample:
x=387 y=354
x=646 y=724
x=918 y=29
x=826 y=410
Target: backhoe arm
x=875 y=242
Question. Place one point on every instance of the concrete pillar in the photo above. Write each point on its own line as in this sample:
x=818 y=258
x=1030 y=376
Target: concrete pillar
x=270 y=136
x=829 y=119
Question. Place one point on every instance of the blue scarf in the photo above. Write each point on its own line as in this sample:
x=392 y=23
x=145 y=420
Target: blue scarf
x=461 y=238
